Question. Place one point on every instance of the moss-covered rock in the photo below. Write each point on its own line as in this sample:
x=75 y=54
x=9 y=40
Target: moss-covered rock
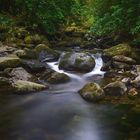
x=58 y=78
x=45 y=53
x=9 y=62
x=121 y=49
x=115 y=89
x=26 y=86
x=92 y=92
x=82 y=62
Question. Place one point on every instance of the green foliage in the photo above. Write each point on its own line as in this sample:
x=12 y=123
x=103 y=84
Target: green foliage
x=116 y=16
x=46 y=14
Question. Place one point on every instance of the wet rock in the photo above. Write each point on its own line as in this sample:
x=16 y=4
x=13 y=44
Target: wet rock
x=92 y=92
x=9 y=62
x=121 y=49
x=136 y=82
x=19 y=74
x=124 y=59
x=33 y=66
x=21 y=86
x=115 y=89
x=72 y=61
x=120 y=65
x=46 y=74
x=45 y=53
x=58 y=78
x=106 y=66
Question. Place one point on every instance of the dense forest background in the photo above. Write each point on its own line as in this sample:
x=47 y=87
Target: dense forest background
x=103 y=17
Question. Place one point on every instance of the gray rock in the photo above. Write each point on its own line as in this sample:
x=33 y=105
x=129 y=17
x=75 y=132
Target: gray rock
x=124 y=59
x=20 y=74
x=21 y=86
x=72 y=61
x=115 y=89
x=58 y=78
x=9 y=62
x=33 y=66
x=121 y=65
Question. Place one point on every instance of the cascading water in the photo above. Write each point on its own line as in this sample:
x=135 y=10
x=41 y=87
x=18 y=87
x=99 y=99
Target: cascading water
x=95 y=71
x=78 y=80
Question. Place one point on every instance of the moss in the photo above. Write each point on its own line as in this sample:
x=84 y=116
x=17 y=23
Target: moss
x=33 y=39
x=121 y=49
x=92 y=92
x=9 y=62
x=25 y=86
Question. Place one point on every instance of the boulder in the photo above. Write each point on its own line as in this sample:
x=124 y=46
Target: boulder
x=73 y=61
x=27 y=87
x=45 y=53
x=58 y=78
x=121 y=65
x=124 y=59
x=9 y=62
x=121 y=49
x=115 y=89
x=33 y=65
x=92 y=92
x=19 y=74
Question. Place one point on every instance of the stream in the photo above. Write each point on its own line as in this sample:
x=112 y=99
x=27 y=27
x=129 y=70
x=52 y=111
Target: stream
x=60 y=113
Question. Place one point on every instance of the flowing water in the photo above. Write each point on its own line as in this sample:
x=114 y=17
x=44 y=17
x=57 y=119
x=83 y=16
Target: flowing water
x=59 y=113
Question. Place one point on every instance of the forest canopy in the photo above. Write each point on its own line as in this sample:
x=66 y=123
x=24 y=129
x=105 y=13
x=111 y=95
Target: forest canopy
x=104 y=16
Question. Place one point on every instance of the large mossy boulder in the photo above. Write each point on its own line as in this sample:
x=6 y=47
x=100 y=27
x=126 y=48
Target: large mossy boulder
x=115 y=89
x=81 y=62
x=58 y=78
x=27 y=87
x=121 y=49
x=45 y=53
x=92 y=92
x=9 y=62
